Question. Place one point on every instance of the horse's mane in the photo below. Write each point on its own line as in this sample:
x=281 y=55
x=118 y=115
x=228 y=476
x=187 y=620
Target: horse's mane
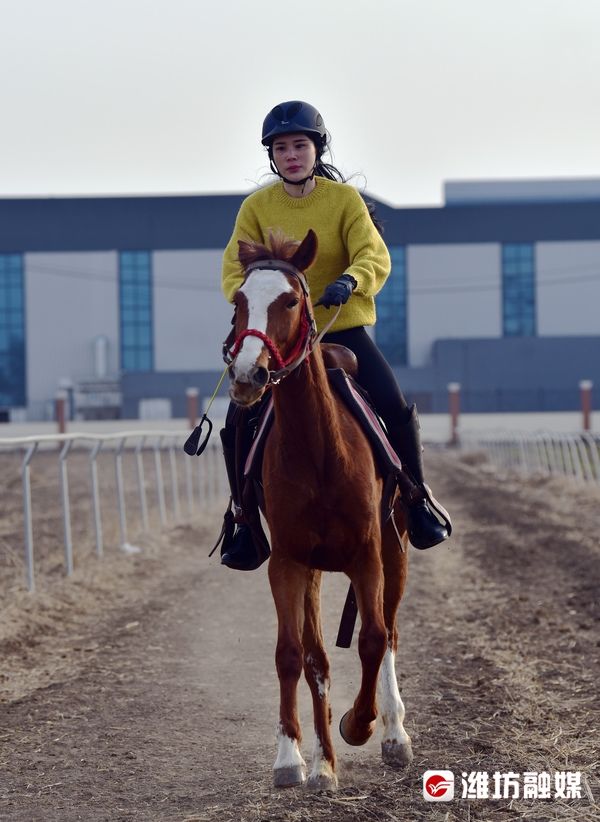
x=279 y=247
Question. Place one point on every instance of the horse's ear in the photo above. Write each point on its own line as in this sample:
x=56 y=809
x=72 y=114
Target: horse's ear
x=307 y=251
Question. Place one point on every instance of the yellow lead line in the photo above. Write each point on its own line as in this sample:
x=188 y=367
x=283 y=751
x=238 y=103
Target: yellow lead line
x=216 y=391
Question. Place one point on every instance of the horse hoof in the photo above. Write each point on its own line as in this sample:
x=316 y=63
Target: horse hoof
x=355 y=739
x=289 y=777
x=396 y=754
x=322 y=782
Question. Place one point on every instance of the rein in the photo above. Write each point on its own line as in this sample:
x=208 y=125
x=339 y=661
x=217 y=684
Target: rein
x=307 y=339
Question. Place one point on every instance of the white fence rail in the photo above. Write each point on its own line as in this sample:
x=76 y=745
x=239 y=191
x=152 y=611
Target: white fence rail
x=572 y=455
x=204 y=481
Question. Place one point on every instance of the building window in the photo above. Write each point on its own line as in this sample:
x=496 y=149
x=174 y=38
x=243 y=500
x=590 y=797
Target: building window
x=135 y=299
x=12 y=331
x=391 y=331
x=518 y=290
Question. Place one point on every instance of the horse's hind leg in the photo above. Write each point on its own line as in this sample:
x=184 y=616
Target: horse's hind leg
x=396 y=745
x=316 y=671
x=288 y=585
x=358 y=724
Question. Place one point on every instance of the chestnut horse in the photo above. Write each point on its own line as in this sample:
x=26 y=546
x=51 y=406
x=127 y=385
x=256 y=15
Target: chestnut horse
x=322 y=494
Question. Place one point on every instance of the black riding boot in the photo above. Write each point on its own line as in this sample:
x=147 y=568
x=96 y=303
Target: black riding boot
x=245 y=546
x=424 y=527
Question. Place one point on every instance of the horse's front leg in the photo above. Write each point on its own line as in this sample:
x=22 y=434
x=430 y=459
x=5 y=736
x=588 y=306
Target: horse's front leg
x=316 y=671
x=288 y=584
x=358 y=723
x=396 y=746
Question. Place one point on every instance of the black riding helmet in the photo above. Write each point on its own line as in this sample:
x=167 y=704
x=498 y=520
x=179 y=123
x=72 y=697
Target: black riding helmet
x=293 y=116
x=289 y=118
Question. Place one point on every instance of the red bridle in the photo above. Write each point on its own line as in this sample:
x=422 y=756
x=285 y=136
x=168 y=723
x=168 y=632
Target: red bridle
x=306 y=337
x=273 y=350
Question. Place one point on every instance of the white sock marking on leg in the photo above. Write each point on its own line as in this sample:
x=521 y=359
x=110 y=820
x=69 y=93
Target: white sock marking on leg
x=288 y=752
x=390 y=702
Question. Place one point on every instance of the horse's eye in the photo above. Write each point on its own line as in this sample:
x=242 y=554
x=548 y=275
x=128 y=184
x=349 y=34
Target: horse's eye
x=292 y=304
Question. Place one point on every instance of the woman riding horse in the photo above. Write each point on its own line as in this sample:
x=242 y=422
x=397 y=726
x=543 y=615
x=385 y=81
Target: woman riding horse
x=352 y=262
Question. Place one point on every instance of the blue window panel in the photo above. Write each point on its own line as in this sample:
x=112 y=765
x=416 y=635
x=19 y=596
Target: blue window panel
x=144 y=339
x=142 y=295
x=145 y=360
x=128 y=315
x=15 y=297
x=135 y=298
x=391 y=327
x=518 y=290
x=129 y=336
x=128 y=295
x=12 y=331
x=129 y=359
x=136 y=359
x=15 y=327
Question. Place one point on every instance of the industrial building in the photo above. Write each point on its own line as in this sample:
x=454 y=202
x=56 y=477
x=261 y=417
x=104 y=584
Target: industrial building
x=117 y=300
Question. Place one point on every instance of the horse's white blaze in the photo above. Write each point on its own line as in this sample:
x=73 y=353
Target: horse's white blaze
x=390 y=702
x=262 y=287
x=288 y=752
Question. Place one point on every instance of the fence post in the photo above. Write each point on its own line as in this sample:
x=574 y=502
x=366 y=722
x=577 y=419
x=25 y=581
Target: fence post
x=174 y=483
x=60 y=411
x=121 y=492
x=26 y=472
x=585 y=387
x=454 y=408
x=595 y=456
x=96 y=497
x=189 y=485
x=139 y=462
x=160 y=489
x=192 y=406
x=66 y=505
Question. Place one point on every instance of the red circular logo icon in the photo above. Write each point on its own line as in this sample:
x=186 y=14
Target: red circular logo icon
x=437 y=785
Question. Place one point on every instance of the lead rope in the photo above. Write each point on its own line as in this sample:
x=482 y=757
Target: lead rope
x=191 y=446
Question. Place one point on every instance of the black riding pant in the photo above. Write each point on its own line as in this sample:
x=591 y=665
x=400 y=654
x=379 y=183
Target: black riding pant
x=374 y=374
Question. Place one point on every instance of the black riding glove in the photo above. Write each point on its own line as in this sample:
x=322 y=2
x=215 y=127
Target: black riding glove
x=338 y=292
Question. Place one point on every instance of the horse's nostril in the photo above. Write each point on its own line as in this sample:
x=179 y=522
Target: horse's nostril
x=261 y=376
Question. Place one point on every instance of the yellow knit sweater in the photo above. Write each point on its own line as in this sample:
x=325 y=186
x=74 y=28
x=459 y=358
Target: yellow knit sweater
x=348 y=243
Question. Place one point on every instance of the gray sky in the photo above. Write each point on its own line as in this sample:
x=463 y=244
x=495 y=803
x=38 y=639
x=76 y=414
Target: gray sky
x=164 y=96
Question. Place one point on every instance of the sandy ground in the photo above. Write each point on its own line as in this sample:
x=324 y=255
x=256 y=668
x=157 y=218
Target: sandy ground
x=144 y=687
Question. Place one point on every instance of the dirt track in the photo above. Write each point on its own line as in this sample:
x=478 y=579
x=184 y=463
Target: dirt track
x=144 y=689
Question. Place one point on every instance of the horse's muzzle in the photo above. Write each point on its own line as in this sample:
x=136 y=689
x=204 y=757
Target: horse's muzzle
x=246 y=393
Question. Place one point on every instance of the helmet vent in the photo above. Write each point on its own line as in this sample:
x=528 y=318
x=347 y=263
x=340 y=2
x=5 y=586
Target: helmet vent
x=293 y=110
